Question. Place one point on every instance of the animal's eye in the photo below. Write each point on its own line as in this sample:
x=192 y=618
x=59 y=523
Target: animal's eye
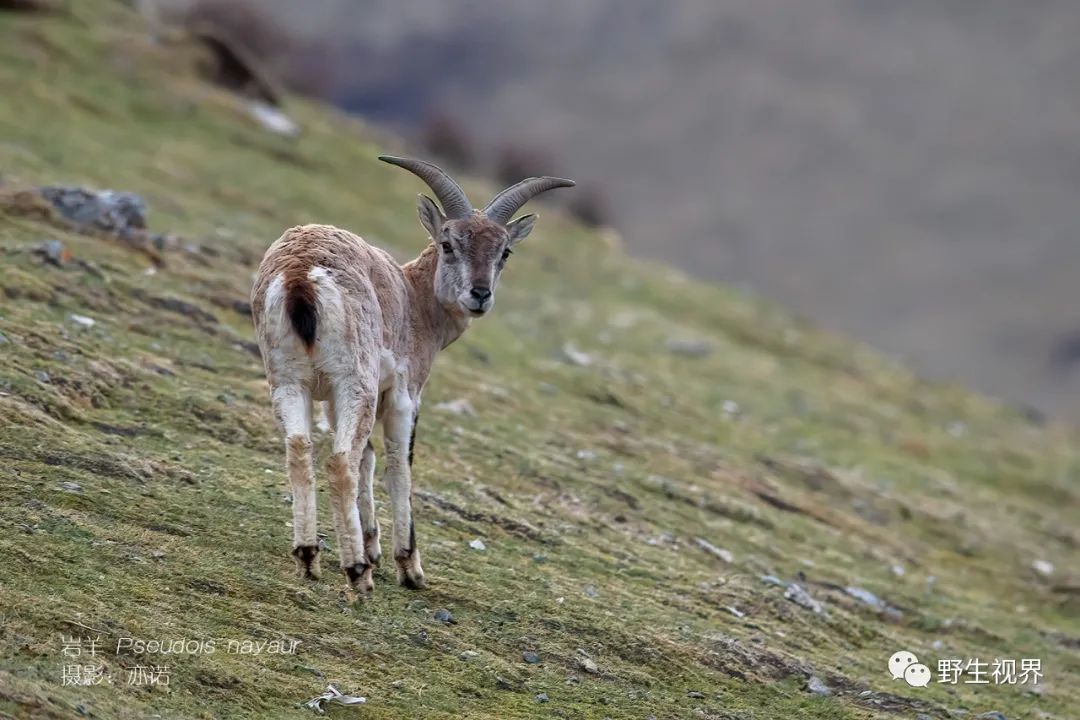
x=447 y=248
x=506 y=254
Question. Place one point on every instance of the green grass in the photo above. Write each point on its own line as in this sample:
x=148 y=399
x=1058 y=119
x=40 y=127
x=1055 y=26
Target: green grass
x=804 y=455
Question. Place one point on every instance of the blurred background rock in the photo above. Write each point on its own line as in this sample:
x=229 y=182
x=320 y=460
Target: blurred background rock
x=904 y=172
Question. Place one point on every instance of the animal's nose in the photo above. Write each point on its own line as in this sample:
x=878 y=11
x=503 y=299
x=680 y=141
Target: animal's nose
x=480 y=293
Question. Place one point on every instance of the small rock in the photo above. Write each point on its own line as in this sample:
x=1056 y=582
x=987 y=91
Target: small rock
x=82 y=320
x=73 y=487
x=1043 y=568
x=530 y=657
x=157 y=554
x=586 y=455
x=590 y=591
x=898 y=570
x=664 y=538
x=272 y=119
x=735 y=611
x=865 y=596
x=43 y=377
x=53 y=252
x=721 y=553
x=772 y=580
x=60 y=356
x=539 y=559
x=227 y=399
x=541 y=697
x=574 y=356
x=477 y=544
x=119 y=212
x=332 y=696
x=696 y=695
x=468 y=655
x=796 y=594
x=444 y=616
x=3 y=339
x=456 y=407
x=690 y=348
x=589 y=666
x=503 y=684
x=992 y=715
x=816 y=686
x=730 y=407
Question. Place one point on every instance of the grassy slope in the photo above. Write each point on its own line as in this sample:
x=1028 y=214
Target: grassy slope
x=837 y=466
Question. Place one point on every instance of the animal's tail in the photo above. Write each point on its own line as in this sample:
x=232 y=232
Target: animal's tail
x=301 y=307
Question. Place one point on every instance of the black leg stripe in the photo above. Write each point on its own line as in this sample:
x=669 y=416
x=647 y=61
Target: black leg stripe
x=412 y=437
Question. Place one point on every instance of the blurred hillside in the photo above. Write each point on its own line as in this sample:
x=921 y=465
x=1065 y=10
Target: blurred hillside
x=902 y=171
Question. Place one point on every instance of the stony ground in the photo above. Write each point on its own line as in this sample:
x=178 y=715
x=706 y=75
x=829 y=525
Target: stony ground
x=687 y=503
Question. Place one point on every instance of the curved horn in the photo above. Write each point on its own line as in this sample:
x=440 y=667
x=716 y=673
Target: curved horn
x=450 y=194
x=512 y=198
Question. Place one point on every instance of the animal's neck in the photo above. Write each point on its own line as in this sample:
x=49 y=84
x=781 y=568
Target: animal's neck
x=426 y=312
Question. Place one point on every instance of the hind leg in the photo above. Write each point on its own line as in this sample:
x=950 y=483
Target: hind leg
x=362 y=462
x=365 y=473
x=292 y=405
x=354 y=417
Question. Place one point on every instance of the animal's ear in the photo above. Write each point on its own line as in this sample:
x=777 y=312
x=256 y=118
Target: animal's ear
x=431 y=216
x=519 y=229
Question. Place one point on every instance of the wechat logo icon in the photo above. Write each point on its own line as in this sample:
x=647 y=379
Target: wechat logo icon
x=905 y=666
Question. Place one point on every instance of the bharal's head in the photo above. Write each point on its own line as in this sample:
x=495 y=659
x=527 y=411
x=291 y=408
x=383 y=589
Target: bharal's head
x=473 y=245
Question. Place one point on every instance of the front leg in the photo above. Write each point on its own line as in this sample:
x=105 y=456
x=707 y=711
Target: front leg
x=399 y=427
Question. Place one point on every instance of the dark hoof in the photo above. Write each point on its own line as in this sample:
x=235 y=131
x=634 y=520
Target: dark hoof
x=359 y=576
x=412 y=581
x=307 y=561
x=409 y=573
